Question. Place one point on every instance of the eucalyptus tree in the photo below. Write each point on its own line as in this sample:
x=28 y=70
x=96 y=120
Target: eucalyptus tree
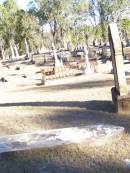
x=62 y=16
x=8 y=12
x=51 y=12
x=106 y=11
x=124 y=26
x=17 y=27
x=79 y=16
x=27 y=34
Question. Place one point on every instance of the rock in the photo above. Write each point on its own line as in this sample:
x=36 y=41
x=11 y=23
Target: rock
x=3 y=79
x=17 y=68
x=7 y=66
x=24 y=76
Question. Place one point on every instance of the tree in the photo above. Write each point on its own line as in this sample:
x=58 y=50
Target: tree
x=124 y=26
x=8 y=12
x=27 y=31
x=107 y=11
x=17 y=27
x=61 y=16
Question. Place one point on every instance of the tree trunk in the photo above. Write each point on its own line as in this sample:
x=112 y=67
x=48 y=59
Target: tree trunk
x=87 y=69
x=126 y=38
x=64 y=42
x=103 y=24
x=12 y=51
x=57 y=62
x=86 y=39
x=42 y=49
x=54 y=31
x=26 y=48
x=16 y=51
x=2 y=53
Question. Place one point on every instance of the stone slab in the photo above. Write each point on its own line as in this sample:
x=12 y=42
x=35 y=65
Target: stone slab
x=122 y=103
x=53 y=138
x=117 y=59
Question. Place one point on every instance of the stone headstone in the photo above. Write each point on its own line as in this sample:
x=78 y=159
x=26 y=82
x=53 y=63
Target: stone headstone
x=120 y=95
x=117 y=60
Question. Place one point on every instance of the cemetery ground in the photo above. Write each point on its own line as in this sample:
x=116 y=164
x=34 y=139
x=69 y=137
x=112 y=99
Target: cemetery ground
x=27 y=106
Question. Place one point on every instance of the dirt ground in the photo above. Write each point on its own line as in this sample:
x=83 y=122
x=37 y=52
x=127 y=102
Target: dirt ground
x=28 y=106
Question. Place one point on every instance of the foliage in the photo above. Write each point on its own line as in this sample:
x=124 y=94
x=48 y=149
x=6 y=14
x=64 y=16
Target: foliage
x=27 y=27
x=125 y=24
x=16 y=25
x=67 y=20
x=7 y=21
x=107 y=11
x=62 y=15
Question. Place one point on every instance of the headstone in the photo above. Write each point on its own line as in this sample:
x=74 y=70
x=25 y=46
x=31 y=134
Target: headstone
x=120 y=91
x=93 y=134
x=39 y=59
x=117 y=60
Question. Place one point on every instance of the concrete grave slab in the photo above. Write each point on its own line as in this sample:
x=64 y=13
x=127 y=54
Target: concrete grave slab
x=93 y=134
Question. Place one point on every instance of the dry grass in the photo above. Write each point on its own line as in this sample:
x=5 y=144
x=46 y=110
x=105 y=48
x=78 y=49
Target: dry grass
x=27 y=107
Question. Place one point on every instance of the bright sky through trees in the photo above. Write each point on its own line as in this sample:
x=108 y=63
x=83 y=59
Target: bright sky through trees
x=21 y=3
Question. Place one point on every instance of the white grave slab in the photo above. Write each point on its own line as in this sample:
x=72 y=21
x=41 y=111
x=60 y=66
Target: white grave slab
x=53 y=138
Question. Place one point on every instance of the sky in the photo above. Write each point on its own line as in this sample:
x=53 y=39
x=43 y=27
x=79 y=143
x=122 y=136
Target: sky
x=21 y=3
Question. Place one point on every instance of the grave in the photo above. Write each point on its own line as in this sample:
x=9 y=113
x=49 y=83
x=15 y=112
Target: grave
x=39 y=59
x=98 y=135
x=120 y=95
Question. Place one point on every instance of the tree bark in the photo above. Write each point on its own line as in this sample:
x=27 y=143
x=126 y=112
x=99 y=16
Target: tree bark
x=53 y=31
x=103 y=24
x=126 y=38
x=2 y=53
x=12 y=51
x=64 y=42
x=87 y=69
x=26 y=48
x=57 y=62
x=16 y=51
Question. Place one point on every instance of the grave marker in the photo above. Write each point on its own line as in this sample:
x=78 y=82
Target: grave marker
x=120 y=95
x=117 y=60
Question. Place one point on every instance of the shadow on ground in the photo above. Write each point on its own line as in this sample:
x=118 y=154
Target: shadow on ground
x=66 y=114
x=97 y=105
x=62 y=87
x=80 y=85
